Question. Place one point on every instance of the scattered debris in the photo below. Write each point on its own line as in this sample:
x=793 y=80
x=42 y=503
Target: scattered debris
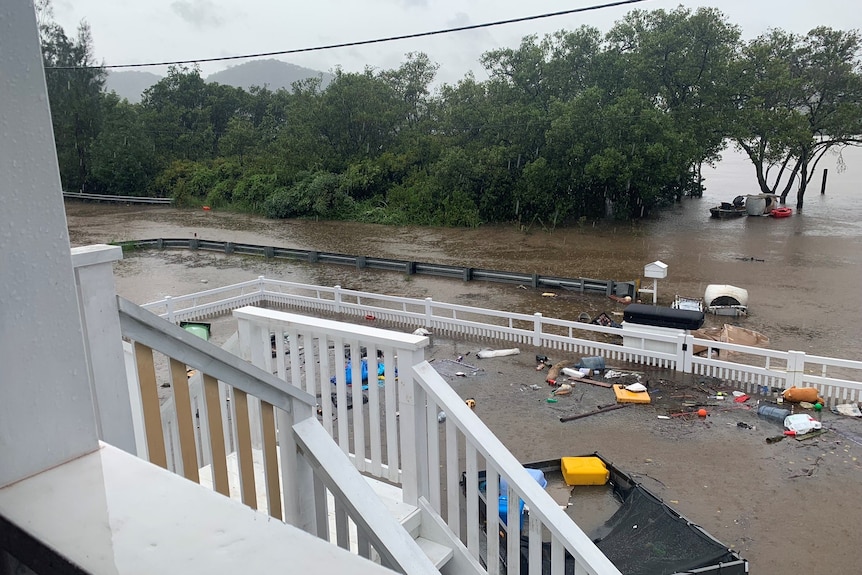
x=421 y=331
x=849 y=409
x=589 y=413
x=486 y=353
x=471 y=403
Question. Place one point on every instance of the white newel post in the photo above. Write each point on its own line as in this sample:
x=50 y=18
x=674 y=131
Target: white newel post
x=46 y=408
x=97 y=301
x=413 y=429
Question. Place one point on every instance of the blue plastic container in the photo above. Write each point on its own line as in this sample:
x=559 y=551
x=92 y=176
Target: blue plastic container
x=591 y=362
x=773 y=413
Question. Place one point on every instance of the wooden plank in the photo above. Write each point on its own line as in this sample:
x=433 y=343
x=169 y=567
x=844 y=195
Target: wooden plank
x=433 y=454
x=216 y=435
x=390 y=393
x=472 y=500
x=492 y=519
x=374 y=429
x=453 y=497
x=325 y=390
x=245 y=463
x=359 y=448
x=185 y=425
x=270 y=459
x=150 y=405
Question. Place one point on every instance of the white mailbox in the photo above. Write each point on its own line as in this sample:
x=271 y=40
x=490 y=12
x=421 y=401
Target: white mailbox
x=656 y=269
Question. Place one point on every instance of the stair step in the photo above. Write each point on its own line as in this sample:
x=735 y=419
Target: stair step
x=438 y=554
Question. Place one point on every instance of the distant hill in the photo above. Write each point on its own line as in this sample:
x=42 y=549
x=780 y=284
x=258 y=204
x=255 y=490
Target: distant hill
x=273 y=74
x=130 y=84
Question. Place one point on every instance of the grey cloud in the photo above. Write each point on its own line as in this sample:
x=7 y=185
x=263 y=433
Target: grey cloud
x=201 y=13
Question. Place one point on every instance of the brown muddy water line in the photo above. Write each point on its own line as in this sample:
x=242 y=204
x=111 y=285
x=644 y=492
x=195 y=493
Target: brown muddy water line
x=803 y=273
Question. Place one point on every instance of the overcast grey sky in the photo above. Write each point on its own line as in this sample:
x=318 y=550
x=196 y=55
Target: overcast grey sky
x=135 y=31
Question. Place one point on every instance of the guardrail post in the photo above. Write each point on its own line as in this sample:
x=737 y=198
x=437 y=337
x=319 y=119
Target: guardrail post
x=410 y=268
x=261 y=287
x=336 y=296
x=360 y=262
x=268 y=252
x=100 y=317
x=194 y=243
x=795 y=368
x=228 y=247
x=534 y=281
x=468 y=274
x=313 y=256
x=428 y=312
x=537 y=329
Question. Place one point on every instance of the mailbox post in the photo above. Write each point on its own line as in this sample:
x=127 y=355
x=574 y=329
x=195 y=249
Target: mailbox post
x=656 y=270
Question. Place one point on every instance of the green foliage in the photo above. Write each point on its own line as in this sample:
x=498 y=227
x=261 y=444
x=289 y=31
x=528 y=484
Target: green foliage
x=320 y=195
x=568 y=128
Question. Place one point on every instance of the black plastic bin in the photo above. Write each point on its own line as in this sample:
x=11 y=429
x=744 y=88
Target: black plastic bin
x=663 y=316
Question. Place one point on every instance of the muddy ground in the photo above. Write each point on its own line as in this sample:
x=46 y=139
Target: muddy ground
x=788 y=506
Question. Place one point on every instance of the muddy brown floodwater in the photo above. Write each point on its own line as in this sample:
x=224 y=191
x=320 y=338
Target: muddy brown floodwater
x=788 y=507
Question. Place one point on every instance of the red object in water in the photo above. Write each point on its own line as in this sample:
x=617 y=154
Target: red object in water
x=741 y=399
x=783 y=212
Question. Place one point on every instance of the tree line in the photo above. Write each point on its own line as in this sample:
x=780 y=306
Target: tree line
x=569 y=127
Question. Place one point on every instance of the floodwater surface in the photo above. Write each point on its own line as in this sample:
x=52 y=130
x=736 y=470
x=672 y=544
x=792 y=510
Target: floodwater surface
x=803 y=273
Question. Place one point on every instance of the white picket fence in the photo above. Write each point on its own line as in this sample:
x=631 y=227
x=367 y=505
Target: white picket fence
x=749 y=368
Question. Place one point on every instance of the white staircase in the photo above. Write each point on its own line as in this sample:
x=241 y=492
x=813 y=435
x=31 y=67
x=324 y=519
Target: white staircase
x=408 y=538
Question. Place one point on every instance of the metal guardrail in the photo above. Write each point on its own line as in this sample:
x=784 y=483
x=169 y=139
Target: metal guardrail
x=606 y=287
x=117 y=199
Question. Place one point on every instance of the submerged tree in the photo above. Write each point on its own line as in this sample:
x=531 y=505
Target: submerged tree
x=797 y=98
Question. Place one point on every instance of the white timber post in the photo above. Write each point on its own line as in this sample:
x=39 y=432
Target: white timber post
x=429 y=313
x=97 y=299
x=336 y=295
x=537 y=329
x=684 y=351
x=795 y=368
x=46 y=408
x=413 y=427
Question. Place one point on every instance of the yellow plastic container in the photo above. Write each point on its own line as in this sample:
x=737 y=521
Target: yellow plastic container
x=584 y=471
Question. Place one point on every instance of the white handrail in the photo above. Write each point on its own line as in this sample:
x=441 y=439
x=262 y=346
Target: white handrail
x=543 y=510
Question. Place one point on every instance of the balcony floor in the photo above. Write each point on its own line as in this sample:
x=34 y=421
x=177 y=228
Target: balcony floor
x=109 y=512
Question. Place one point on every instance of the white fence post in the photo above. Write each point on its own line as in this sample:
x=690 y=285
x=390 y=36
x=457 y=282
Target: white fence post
x=429 y=314
x=169 y=308
x=336 y=297
x=684 y=351
x=537 y=329
x=795 y=368
x=103 y=340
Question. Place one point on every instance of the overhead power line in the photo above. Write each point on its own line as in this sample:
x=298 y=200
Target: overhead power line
x=361 y=42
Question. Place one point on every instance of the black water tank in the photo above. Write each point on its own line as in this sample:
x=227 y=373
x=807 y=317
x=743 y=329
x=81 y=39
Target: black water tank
x=662 y=316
